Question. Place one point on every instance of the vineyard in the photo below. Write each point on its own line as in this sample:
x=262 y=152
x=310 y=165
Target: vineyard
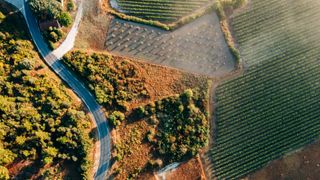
x=263 y=32
x=273 y=108
x=159 y=10
x=198 y=47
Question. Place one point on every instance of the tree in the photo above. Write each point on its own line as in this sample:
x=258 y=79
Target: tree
x=4 y=173
x=116 y=118
x=46 y=9
x=6 y=156
x=65 y=19
x=70 y=5
x=53 y=36
x=26 y=64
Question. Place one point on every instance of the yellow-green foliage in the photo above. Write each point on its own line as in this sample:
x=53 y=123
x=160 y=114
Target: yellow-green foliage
x=2 y=17
x=114 y=81
x=219 y=7
x=37 y=118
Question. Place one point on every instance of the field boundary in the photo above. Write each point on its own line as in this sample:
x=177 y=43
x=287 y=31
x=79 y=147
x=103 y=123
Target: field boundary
x=220 y=6
x=172 y=26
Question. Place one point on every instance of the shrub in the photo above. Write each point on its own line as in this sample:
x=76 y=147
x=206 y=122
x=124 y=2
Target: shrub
x=188 y=94
x=53 y=36
x=65 y=19
x=51 y=45
x=2 y=17
x=4 y=173
x=70 y=5
x=46 y=9
x=239 y=3
x=219 y=10
x=26 y=64
x=116 y=118
x=150 y=135
x=141 y=112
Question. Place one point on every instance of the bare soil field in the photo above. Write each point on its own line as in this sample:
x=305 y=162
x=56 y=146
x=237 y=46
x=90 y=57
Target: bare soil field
x=93 y=27
x=304 y=164
x=188 y=170
x=198 y=47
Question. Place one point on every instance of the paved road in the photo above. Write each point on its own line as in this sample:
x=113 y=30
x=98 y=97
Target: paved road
x=75 y=84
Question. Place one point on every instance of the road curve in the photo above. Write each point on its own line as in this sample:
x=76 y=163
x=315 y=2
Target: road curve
x=75 y=84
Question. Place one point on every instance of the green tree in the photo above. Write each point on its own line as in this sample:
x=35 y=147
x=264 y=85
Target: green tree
x=65 y=19
x=46 y=9
x=116 y=118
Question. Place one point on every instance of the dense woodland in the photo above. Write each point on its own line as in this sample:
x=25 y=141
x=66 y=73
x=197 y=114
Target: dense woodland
x=38 y=120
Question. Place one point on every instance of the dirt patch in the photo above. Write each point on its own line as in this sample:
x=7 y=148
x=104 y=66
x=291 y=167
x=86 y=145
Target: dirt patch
x=198 y=47
x=188 y=170
x=161 y=82
x=304 y=164
x=93 y=28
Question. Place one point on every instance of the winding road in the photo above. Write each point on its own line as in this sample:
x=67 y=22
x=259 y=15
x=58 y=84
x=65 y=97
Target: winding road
x=53 y=60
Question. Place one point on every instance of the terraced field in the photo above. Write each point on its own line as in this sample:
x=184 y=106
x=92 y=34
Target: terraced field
x=159 y=10
x=274 y=107
x=198 y=47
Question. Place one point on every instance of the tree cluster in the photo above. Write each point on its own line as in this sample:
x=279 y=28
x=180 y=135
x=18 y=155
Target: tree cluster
x=181 y=127
x=115 y=82
x=50 y=10
x=38 y=121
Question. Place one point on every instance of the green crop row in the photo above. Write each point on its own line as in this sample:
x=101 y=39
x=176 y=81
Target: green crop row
x=273 y=108
x=162 y=11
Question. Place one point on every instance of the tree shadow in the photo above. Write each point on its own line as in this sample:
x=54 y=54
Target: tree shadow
x=28 y=171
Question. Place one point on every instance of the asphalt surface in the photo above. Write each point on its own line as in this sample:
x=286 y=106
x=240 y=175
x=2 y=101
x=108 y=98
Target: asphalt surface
x=75 y=84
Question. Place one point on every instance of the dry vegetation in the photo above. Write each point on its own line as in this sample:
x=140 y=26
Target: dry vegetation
x=109 y=77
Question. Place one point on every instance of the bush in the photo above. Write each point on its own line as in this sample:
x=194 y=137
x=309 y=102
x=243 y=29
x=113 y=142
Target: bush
x=141 y=112
x=70 y=5
x=53 y=36
x=51 y=45
x=187 y=95
x=4 y=173
x=26 y=64
x=2 y=17
x=46 y=9
x=239 y=3
x=116 y=118
x=219 y=10
x=65 y=19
